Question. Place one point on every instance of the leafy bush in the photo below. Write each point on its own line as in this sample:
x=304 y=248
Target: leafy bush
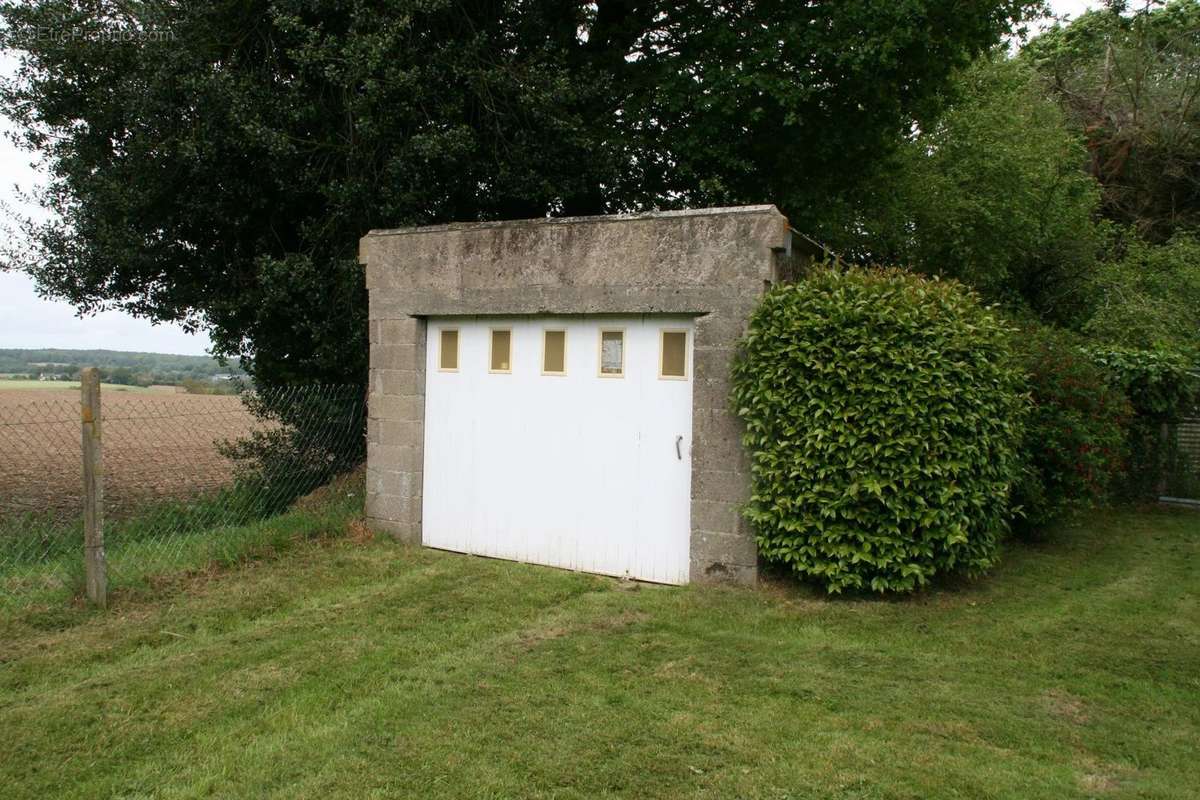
x=882 y=414
x=314 y=433
x=1074 y=443
x=1147 y=295
x=1163 y=386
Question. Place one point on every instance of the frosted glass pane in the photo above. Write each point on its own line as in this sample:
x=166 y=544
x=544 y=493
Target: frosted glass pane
x=612 y=352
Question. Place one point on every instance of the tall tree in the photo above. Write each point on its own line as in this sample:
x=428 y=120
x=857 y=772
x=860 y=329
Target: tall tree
x=1129 y=78
x=215 y=163
x=992 y=193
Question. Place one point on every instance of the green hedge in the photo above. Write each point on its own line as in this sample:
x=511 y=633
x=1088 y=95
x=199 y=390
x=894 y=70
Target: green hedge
x=1163 y=387
x=1075 y=436
x=882 y=414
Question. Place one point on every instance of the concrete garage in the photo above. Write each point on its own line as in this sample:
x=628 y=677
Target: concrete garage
x=556 y=391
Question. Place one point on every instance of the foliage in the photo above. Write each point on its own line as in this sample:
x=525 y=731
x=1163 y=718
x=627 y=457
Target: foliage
x=212 y=387
x=882 y=415
x=989 y=193
x=1129 y=79
x=1074 y=440
x=140 y=368
x=1163 y=386
x=218 y=167
x=313 y=435
x=1147 y=296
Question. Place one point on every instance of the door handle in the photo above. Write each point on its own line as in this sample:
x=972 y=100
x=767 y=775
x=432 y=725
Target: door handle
x=679 y=447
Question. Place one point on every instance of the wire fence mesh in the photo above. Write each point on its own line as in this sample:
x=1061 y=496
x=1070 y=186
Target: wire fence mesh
x=184 y=475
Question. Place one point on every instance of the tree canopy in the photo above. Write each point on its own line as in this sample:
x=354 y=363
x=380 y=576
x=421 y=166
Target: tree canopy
x=990 y=192
x=1061 y=180
x=1130 y=81
x=1148 y=296
x=218 y=166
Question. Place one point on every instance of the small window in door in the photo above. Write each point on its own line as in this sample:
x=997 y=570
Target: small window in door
x=554 y=352
x=673 y=362
x=612 y=353
x=500 y=358
x=448 y=350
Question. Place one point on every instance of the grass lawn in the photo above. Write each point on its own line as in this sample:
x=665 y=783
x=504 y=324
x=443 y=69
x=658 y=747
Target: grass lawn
x=350 y=668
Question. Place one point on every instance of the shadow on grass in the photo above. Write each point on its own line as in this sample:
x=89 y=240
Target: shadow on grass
x=1066 y=541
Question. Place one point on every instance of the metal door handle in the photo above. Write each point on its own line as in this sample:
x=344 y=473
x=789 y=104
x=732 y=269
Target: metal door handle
x=678 y=447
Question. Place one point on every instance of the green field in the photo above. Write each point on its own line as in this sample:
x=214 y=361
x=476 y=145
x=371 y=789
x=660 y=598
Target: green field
x=352 y=668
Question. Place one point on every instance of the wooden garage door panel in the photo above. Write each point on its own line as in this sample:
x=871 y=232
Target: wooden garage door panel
x=576 y=470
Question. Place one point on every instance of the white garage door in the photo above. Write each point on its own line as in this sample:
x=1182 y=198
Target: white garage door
x=561 y=440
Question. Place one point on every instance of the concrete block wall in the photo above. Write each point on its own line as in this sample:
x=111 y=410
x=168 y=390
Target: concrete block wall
x=710 y=263
x=395 y=425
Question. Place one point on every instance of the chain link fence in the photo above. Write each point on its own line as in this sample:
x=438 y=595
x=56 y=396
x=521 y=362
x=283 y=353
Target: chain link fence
x=185 y=477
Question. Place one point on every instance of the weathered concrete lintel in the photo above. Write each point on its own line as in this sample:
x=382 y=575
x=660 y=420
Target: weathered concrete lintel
x=552 y=300
x=585 y=220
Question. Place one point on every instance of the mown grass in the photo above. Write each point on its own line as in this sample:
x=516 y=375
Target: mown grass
x=351 y=668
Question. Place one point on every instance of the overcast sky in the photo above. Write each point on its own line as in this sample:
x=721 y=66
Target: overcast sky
x=29 y=321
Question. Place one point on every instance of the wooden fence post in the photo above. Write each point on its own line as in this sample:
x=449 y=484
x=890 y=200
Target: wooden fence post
x=93 y=488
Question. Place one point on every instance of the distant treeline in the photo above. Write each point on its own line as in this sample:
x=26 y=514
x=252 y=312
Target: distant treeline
x=131 y=369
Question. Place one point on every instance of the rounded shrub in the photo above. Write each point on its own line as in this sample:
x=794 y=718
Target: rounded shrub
x=1075 y=446
x=882 y=414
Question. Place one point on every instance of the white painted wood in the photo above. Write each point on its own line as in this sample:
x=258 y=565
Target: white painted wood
x=577 y=470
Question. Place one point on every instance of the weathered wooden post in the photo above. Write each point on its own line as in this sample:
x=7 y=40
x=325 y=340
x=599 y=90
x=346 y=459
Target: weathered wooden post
x=93 y=488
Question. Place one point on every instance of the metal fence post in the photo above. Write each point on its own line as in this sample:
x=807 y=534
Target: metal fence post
x=93 y=488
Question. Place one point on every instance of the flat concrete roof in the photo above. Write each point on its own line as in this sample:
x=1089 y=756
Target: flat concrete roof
x=687 y=212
